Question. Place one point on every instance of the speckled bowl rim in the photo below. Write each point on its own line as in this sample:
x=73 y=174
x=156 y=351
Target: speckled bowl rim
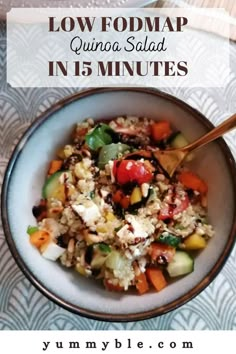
x=99 y=315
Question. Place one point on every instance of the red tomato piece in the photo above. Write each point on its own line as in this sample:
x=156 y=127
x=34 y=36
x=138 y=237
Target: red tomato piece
x=170 y=210
x=181 y=205
x=126 y=171
x=117 y=197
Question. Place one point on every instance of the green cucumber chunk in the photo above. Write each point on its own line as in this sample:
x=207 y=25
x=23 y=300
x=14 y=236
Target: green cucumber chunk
x=111 y=152
x=53 y=188
x=169 y=239
x=179 y=141
x=115 y=261
x=181 y=264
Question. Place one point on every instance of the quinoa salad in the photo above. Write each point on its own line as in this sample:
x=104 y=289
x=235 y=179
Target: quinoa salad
x=111 y=212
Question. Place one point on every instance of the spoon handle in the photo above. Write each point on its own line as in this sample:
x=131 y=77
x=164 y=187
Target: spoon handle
x=215 y=133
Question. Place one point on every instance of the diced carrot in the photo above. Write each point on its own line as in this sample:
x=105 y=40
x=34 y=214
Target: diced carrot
x=120 y=198
x=157 y=278
x=192 y=181
x=160 y=130
x=55 y=165
x=160 y=249
x=141 y=283
x=38 y=238
x=125 y=202
x=112 y=287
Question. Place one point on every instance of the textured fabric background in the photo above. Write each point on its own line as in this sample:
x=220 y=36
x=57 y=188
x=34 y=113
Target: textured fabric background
x=22 y=306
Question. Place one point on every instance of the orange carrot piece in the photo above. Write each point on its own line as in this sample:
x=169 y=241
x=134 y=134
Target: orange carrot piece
x=157 y=278
x=112 y=287
x=141 y=283
x=120 y=198
x=160 y=130
x=160 y=249
x=55 y=165
x=192 y=181
x=39 y=238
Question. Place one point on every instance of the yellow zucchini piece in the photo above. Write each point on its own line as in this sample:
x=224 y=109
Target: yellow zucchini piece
x=136 y=196
x=194 y=242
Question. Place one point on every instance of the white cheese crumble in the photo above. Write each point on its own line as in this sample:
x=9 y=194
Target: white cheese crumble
x=52 y=251
x=142 y=227
x=89 y=211
x=86 y=186
x=125 y=235
x=138 y=228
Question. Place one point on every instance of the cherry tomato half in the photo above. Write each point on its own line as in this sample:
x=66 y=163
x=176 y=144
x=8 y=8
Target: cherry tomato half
x=126 y=171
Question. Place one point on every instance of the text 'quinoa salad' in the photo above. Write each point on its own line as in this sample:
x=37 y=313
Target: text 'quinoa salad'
x=110 y=211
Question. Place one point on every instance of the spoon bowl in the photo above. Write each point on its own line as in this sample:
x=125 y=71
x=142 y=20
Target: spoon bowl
x=171 y=159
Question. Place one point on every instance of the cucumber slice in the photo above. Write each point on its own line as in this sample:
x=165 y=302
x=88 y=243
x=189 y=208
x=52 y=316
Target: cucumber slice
x=111 y=152
x=98 y=261
x=180 y=141
x=181 y=264
x=53 y=188
x=97 y=254
x=115 y=260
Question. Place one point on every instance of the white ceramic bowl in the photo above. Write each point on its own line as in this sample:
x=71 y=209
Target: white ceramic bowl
x=25 y=176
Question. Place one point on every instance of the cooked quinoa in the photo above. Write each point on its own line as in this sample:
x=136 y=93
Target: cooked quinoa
x=110 y=211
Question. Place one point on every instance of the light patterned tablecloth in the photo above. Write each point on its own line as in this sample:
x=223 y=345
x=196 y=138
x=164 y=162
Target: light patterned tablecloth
x=24 y=307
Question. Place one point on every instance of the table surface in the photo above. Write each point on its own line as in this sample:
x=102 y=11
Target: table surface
x=24 y=307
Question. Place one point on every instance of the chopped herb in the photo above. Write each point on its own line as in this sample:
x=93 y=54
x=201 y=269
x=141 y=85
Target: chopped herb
x=92 y=194
x=32 y=229
x=169 y=239
x=104 y=247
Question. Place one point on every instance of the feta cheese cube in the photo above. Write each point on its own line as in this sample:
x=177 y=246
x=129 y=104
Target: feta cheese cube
x=52 y=251
x=88 y=211
x=125 y=235
x=138 y=228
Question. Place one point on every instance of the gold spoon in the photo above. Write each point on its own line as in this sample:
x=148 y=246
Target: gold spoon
x=170 y=159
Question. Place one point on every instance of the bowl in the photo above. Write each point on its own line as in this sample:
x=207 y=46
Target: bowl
x=24 y=178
